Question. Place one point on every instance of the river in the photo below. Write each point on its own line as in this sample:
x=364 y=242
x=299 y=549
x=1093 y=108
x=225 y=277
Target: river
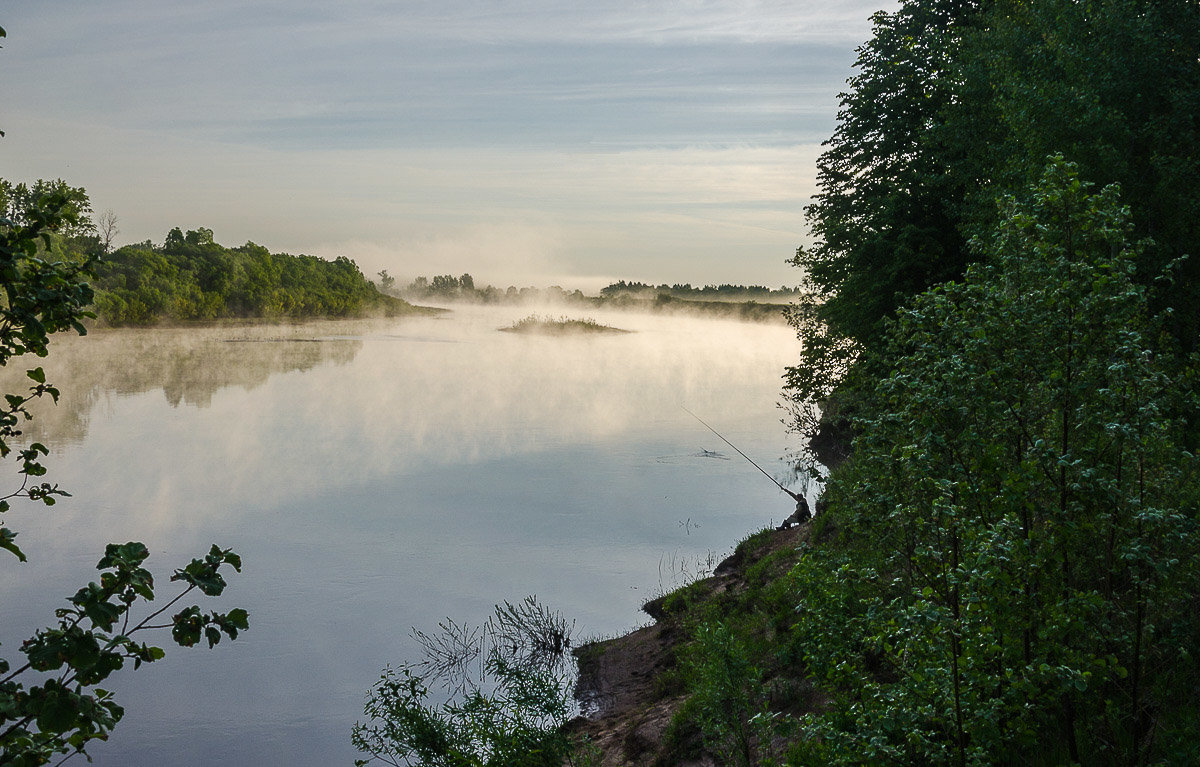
x=379 y=475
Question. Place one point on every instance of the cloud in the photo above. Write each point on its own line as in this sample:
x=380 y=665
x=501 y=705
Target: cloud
x=363 y=74
x=311 y=24
x=573 y=138
x=511 y=214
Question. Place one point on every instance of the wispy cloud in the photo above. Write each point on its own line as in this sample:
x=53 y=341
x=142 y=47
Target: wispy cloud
x=507 y=21
x=666 y=130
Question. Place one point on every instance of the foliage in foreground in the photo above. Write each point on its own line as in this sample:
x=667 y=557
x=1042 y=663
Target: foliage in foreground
x=508 y=696
x=1017 y=579
x=50 y=705
x=61 y=708
x=1007 y=572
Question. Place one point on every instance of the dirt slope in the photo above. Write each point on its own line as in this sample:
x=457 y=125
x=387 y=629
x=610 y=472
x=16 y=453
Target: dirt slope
x=624 y=683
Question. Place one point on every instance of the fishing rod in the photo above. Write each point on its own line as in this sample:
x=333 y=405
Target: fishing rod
x=739 y=452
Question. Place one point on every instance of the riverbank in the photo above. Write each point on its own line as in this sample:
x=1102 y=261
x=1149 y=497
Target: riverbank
x=746 y=311
x=749 y=311
x=633 y=689
x=385 y=310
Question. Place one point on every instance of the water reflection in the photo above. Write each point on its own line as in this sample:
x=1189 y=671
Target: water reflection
x=385 y=476
x=187 y=365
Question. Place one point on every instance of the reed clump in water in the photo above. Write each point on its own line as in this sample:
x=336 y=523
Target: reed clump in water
x=562 y=325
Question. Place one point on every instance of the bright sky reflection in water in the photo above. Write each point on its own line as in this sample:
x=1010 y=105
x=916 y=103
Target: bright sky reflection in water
x=380 y=475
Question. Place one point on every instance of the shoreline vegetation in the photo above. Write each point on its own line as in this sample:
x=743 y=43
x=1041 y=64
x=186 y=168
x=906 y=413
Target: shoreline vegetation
x=536 y=324
x=752 y=303
x=952 y=603
x=191 y=278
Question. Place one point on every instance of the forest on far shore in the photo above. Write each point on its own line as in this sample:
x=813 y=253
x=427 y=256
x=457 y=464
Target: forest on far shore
x=463 y=288
x=191 y=277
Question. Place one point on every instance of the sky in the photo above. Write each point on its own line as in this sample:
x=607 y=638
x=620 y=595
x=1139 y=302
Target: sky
x=527 y=142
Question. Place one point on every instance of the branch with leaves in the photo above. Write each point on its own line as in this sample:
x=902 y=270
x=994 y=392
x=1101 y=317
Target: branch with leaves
x=50 y=705
x=63 y=710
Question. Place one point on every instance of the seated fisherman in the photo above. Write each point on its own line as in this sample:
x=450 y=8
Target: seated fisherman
x=800 y=515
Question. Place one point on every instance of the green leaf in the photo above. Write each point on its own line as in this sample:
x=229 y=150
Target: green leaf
x=58 y=711
x=123 y=556
x=6 y=542
x=186 y=626
x=204 y=575
x=239 y=618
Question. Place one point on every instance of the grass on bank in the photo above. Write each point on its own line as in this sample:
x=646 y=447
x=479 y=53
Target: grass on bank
x=561 y=326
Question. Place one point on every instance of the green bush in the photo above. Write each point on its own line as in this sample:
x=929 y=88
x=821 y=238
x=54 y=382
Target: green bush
x=1016 y=577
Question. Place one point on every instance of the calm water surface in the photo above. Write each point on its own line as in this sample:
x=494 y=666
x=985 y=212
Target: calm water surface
x=380 y=475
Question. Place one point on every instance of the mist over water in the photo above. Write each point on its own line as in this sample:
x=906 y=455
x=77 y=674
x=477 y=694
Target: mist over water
x=380 y=475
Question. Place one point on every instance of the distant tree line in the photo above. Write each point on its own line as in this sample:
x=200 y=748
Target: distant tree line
x=726 y=301
x=463 y=288
x=449 y=287
x=686 y=290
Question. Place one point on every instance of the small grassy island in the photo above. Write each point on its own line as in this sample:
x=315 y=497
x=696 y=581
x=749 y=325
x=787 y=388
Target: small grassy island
x=561 y=326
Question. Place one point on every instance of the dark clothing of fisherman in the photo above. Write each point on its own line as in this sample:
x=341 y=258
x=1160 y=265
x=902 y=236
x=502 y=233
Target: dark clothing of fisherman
x=802 y=513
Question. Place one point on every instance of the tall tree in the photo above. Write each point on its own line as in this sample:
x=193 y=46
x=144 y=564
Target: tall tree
x=958 y=103
x=1021 y=586
x=1114 y=86
x=891 y=191
x=884 y=219
x=107 y=230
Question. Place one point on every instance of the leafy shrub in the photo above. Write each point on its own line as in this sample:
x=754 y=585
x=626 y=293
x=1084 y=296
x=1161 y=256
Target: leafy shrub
x=506 y=711
x=1016 y=576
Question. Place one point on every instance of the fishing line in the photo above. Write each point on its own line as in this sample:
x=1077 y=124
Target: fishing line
x=739 y=452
